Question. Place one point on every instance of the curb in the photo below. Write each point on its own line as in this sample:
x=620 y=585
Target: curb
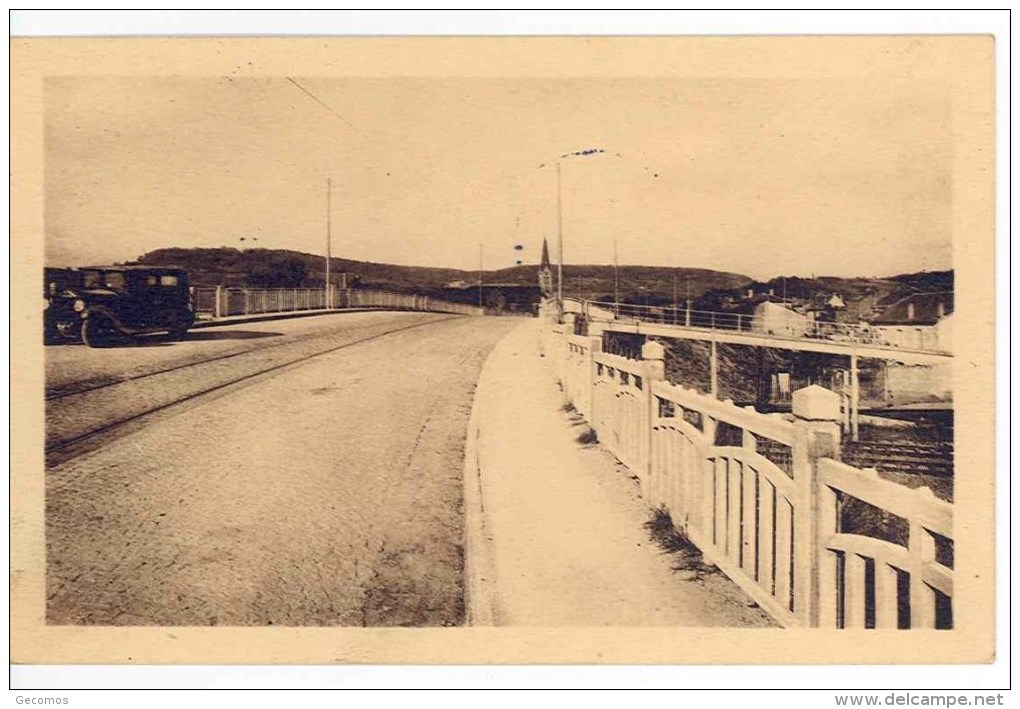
x=479 y=570
x=288 y=316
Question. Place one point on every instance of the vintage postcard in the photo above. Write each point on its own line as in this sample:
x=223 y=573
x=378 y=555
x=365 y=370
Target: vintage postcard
x=504 y=350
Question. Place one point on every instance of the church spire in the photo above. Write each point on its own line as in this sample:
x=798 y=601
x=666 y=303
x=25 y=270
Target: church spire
x=545 y=271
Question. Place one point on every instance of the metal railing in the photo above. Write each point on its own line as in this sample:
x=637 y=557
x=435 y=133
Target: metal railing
x=211 y=303
x=784 y=325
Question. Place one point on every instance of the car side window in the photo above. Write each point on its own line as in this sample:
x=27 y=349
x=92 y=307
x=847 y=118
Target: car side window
x=115 y=280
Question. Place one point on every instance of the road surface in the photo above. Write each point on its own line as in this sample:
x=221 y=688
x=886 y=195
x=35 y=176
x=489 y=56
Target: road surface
x=325 y=491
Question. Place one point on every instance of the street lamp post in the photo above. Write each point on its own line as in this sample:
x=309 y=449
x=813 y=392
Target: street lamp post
x=329 y=234
x=559 y=220
x=616 y=279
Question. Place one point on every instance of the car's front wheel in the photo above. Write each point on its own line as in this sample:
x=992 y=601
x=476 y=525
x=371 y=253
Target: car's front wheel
x=97 y=331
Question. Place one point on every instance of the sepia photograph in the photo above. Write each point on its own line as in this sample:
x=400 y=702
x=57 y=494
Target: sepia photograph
x=503 y=350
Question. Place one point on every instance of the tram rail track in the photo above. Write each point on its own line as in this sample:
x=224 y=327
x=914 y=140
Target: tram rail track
x=65 y=441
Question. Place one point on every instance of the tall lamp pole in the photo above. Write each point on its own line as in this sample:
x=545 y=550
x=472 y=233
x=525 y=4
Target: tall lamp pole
x=616 y=278
x=329 y=233
x=559 y=219
x=687 y=302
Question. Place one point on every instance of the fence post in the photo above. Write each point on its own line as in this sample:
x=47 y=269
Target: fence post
x=817 y=436
x=568 y=330
x=219 y=305
x=654 y=356
x=594 y=348
x=921 y=547
x=713 y=363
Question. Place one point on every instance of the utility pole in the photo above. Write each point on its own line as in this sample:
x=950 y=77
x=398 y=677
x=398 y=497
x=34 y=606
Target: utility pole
x=674 y=296
x=687 y=302
x=616 y=277
x=481 y=261
x=559 y=219
x=329 y=233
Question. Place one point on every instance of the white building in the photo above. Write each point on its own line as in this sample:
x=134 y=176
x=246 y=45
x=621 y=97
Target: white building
x=778 y=319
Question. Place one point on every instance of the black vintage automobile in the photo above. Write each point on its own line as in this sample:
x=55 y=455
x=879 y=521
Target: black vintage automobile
x=106 y=304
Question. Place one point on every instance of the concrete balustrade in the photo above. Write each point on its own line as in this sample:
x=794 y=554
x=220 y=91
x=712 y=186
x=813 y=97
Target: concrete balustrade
x=761 y=494
x=221 y=302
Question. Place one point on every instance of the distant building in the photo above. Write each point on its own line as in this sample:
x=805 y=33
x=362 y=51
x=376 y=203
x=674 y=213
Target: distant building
x=919 y=321
x=836 y=302
x=922 y=321
x=825 y=307
x=778 y=319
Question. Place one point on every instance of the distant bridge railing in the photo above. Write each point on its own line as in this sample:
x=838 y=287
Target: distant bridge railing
x=792 y=326
x=764 y=497
x=211 y=303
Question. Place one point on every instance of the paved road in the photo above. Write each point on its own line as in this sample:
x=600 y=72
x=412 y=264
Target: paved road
x=73 y=366
x=326 y=492
x=88 y=391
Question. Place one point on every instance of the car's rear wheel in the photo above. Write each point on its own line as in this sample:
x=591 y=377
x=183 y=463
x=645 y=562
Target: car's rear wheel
x=97 y=331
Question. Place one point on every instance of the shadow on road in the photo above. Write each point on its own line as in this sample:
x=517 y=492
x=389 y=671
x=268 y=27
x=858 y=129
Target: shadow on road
x=148 y=341
x=228 y=335
x=163 y=341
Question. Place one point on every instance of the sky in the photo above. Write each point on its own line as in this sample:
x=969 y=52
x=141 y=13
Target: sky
x=764 y=177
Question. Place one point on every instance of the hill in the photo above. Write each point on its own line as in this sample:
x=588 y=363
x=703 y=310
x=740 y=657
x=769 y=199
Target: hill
x=646 y=285
x=235 y=267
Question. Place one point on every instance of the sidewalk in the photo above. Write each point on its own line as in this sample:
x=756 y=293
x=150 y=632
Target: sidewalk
x=555 y=530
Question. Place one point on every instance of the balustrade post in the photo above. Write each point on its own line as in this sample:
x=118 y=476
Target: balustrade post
x=594 y=348
x=219 y=307
x=855 y=398
x=713 y=363
x=568 y=330
x=654 y=356
x=921 y=547
x=817 y=435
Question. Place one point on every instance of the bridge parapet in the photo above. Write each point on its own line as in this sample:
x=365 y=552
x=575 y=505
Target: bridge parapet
x=796 y=328
x=211 y=303
x=764 y=496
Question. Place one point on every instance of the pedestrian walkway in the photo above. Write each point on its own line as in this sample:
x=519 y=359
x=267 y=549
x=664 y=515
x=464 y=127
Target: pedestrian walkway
x=556 y=530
